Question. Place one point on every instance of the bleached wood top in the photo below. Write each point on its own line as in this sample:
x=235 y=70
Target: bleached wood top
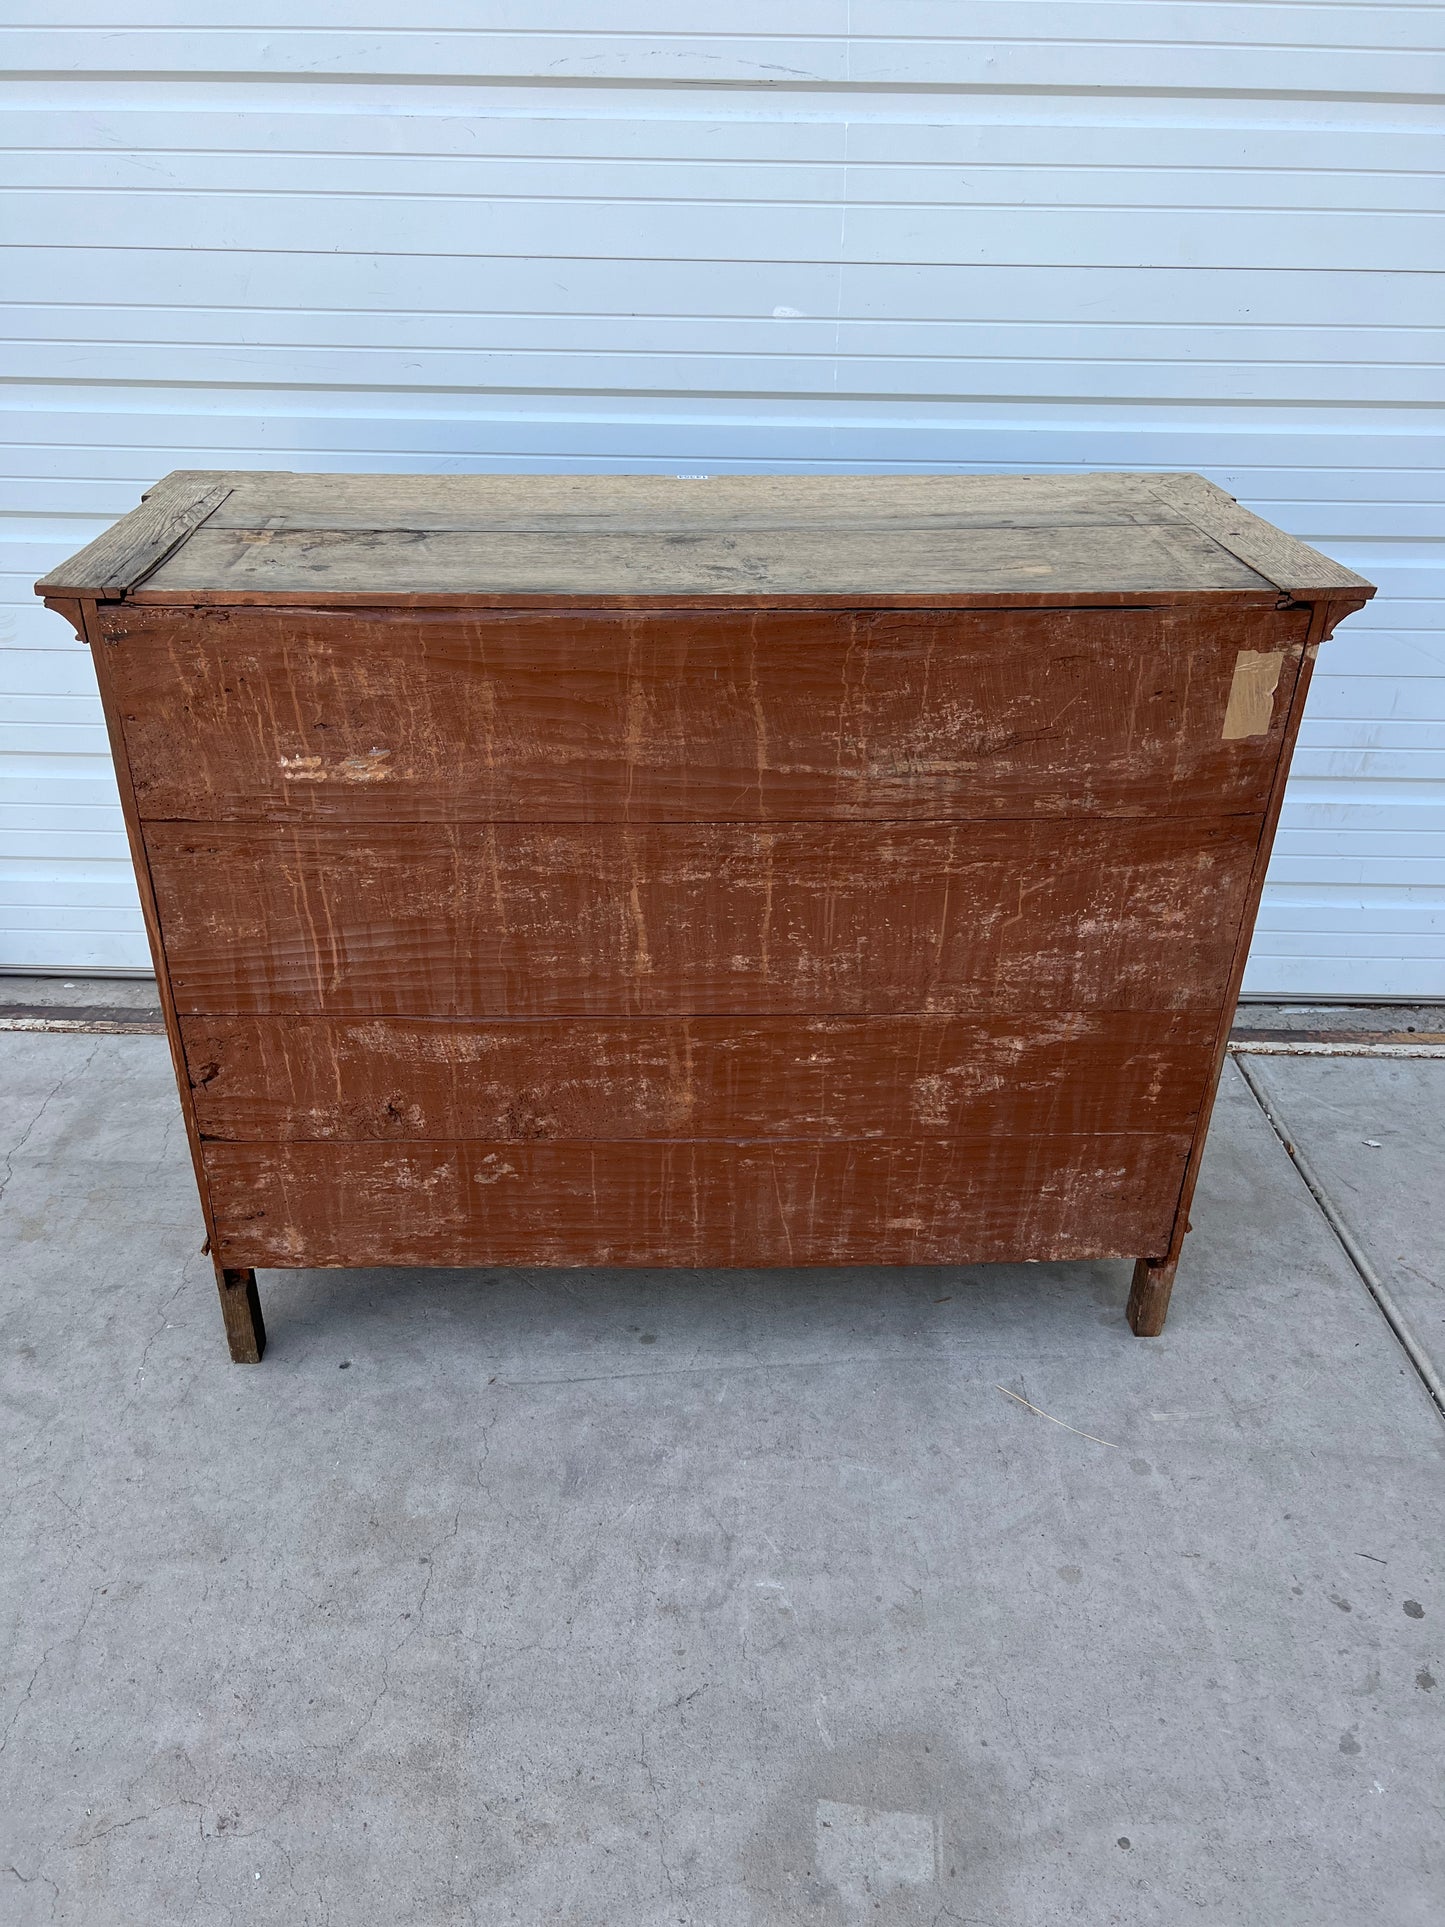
x=929 y=539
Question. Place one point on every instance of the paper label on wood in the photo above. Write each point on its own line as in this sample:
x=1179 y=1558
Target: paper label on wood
x=1251 y=694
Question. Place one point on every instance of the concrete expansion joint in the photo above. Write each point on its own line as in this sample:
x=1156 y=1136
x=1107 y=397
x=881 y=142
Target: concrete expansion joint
x=1370 y=1277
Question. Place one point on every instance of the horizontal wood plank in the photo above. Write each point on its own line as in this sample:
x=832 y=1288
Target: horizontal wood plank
x=290 y=1079
x=701 y=716
x=1065 y=561
x=528 y=920
x=930 y=1201
x=655 y=503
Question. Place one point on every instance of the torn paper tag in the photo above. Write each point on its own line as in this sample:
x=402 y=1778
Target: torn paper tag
x=1251 y=695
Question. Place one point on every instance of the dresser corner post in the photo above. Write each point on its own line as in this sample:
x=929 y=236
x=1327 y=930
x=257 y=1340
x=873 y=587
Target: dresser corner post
x=1149 y=1295
x=241 y=1311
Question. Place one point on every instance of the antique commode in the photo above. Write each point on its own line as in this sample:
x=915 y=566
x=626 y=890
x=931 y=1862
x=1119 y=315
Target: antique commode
x=754 y=870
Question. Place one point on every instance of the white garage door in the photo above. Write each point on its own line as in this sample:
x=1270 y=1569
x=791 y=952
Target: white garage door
x=829 y=234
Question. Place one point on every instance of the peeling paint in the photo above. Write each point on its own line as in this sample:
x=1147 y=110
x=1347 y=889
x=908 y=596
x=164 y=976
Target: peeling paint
x=368 y=766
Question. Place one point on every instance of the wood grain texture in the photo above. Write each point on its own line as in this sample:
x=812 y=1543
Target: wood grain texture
x=132 y=548
x=284 y=1079
x=1293 y=566
x=700 y=716
x=1149 y=1292
x=594 y=503
x=527 y=920
x=241 y=1315
x=898 y=563
x=925 y=1201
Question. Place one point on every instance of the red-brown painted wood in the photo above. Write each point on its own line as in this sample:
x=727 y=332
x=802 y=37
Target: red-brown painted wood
x=671 y=920
x=919 y=1201
x=277 y=1079
x=382 y=716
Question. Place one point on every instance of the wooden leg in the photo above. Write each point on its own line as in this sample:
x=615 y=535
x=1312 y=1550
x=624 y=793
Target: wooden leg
x=241 y=1309
x=1149 y=1295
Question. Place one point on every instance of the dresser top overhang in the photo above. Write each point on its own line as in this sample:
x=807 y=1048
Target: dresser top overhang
x=927 y=541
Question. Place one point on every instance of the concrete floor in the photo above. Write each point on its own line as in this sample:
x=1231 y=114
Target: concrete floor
x=730 y=1599
x=1374 y=1136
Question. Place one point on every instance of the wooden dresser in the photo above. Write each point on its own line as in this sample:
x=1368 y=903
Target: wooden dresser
x=747 y=870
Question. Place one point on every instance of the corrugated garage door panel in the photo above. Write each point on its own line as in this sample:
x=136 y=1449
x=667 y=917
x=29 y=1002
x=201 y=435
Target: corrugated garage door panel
x=1039 y=235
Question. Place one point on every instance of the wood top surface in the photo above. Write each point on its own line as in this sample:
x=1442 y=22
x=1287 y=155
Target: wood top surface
x=903 y=540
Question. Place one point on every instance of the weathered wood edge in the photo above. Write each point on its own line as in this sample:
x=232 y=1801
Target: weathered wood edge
x=573 y=602
x=1292 y=566
x=135 y=546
